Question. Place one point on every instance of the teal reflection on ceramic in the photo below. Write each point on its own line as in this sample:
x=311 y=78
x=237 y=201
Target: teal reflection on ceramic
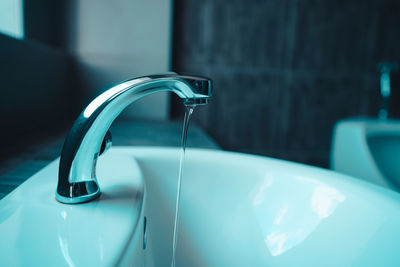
x=298 y=208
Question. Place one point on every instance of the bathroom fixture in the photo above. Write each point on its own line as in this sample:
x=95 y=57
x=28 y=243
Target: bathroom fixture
x=77 y=180
x=236 y=210
x=368 y=149
x=385 y=68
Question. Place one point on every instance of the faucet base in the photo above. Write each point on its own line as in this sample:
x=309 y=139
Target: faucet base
x=79 y=193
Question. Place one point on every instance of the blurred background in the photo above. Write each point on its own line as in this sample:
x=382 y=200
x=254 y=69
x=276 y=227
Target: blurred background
x=284 y=71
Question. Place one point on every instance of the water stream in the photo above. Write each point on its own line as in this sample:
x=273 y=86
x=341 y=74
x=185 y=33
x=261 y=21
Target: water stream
x=188 y=112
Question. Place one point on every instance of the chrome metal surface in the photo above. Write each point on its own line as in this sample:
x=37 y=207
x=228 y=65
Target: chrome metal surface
x=77 y=180
x=106 y=144
x=144 y=244
x=385 y=68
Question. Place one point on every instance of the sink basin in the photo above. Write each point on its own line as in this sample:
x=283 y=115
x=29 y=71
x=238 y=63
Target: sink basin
x=236 y=210
x=368 y=149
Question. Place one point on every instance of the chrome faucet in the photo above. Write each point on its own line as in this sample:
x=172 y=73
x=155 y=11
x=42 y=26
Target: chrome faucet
x=89 y=136
x=385 y=68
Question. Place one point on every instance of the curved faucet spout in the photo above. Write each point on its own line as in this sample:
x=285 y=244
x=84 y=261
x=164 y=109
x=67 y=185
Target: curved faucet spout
x=77 y=180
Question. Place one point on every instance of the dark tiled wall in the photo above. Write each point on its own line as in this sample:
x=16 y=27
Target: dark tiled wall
x=36 y=98
x=284 y=70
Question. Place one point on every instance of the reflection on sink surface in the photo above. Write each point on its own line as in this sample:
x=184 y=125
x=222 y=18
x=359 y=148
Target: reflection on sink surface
x=368 y=149
x=236 y=210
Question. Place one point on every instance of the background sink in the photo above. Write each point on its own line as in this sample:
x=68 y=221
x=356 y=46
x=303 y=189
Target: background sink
x=368 y=149
x=236 y=210
x=385 y=150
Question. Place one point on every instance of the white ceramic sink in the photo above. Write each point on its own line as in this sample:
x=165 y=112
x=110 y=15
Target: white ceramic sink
x=36 y=230
x=368 y=149
x=236 y=210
